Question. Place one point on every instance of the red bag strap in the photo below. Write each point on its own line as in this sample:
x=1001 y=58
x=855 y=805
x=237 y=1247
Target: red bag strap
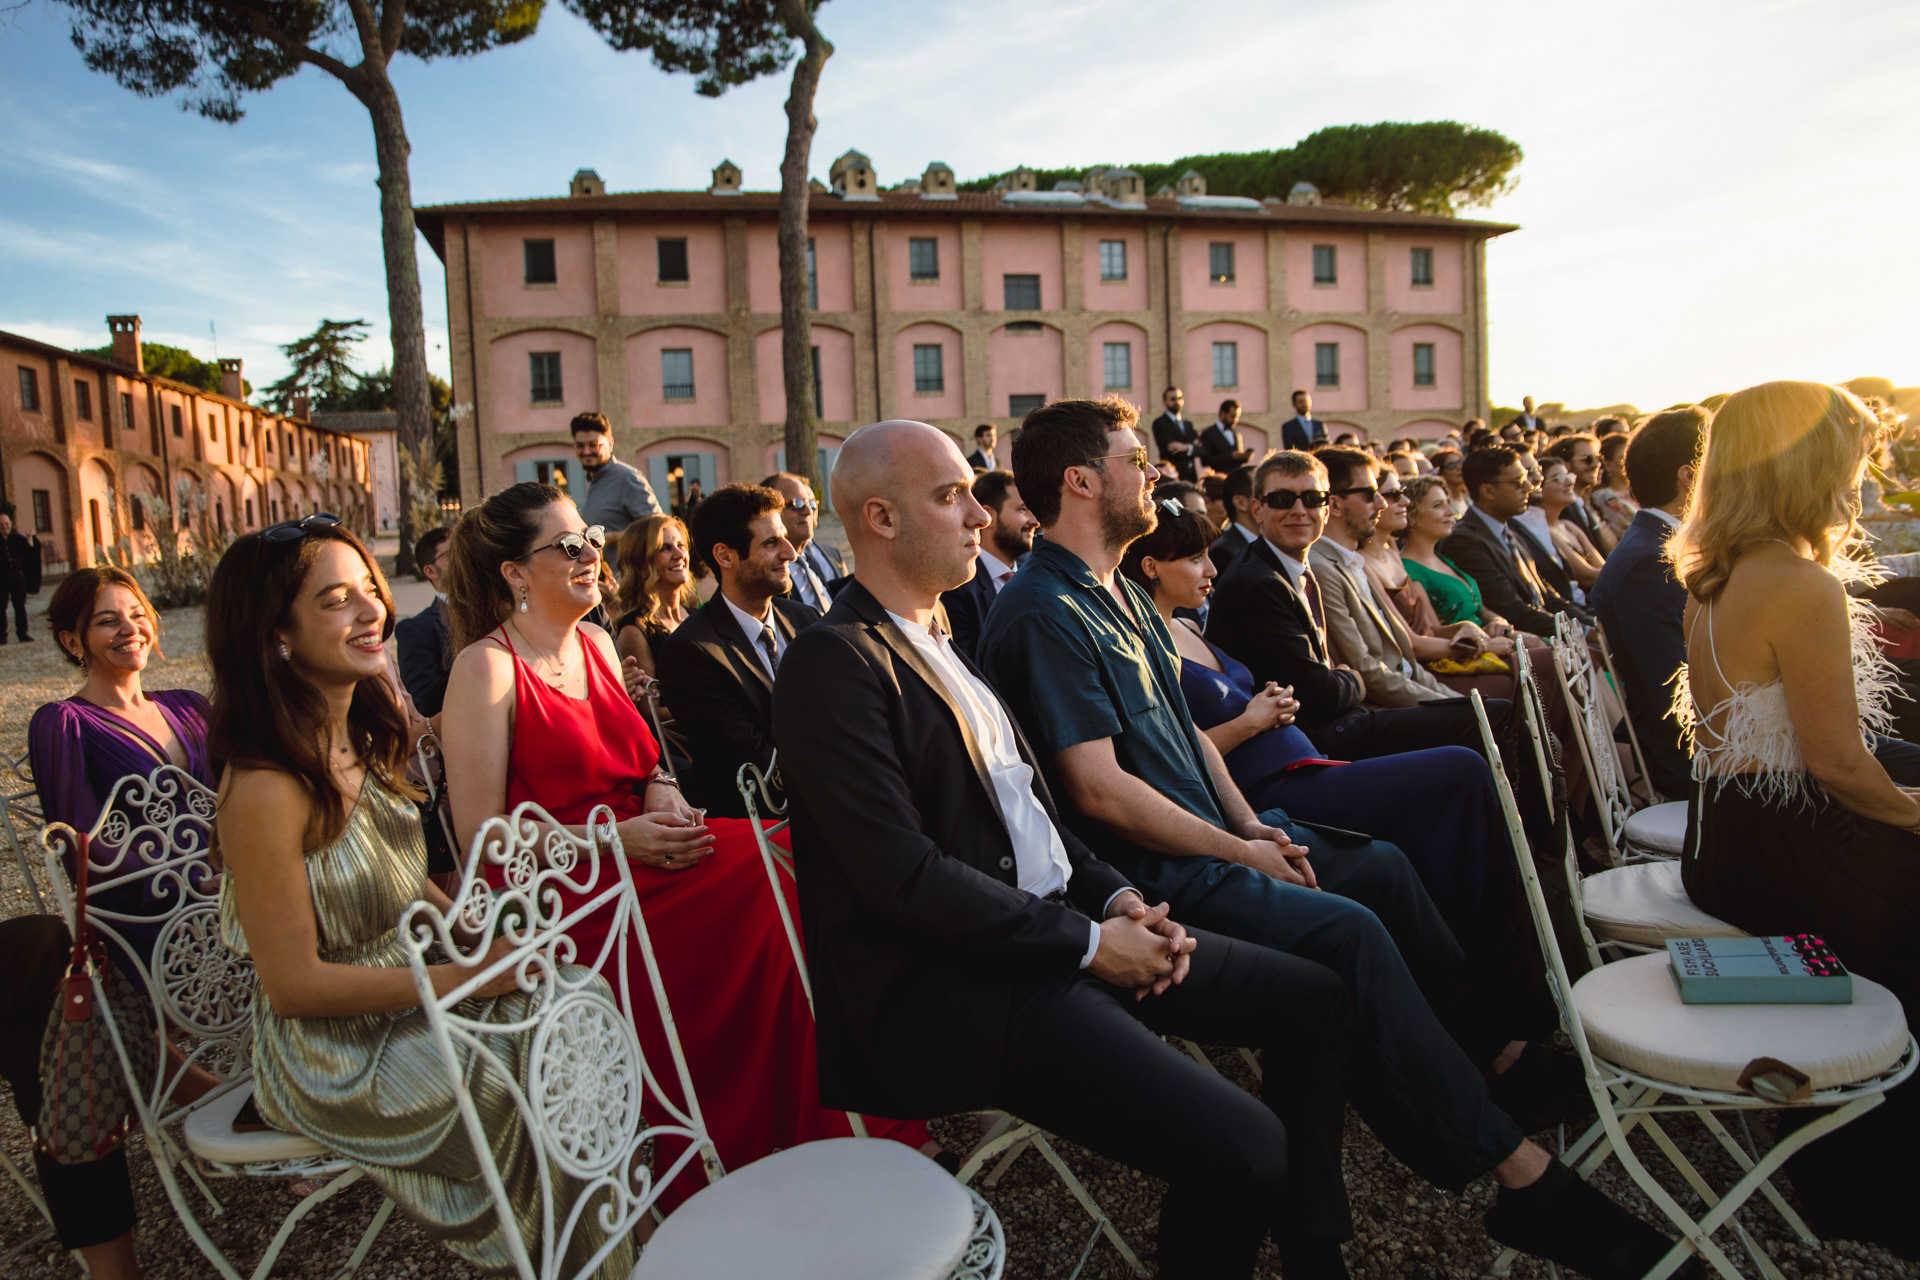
x=82 y=928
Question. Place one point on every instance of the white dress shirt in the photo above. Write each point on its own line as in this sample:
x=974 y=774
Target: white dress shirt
x=753 y=627
x=1293 y=567
x=998 y=570
x=1248 y=534
x=1040 y=859
x=808 y=583
x=814 y=556
x=1673 y=521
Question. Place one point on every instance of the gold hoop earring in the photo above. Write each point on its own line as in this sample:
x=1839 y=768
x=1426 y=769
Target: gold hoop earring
x=523 y=599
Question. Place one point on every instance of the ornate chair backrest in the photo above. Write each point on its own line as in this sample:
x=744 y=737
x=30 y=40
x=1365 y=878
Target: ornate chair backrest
x=1620 y=692
x=20 y=811
x=154 y=838
x=429 y=769
x=1533 y=714
x=1557 y=974
x=764 y=791
x=1593 y=735
x=591 y=1101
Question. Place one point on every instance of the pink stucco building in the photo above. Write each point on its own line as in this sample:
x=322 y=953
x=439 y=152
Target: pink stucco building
x=88 y=443
x=661 y=309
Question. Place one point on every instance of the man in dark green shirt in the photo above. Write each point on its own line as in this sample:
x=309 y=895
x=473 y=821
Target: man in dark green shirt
x=1084 y=661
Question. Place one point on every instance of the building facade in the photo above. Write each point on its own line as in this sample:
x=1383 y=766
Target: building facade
x=661 y=310
x=380 y=430
x=90 y=448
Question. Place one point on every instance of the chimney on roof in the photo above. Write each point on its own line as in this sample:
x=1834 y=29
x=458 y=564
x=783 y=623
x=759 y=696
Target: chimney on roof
x=937 y=183
x=232 y=385
x=1124 y=186
x=1190 y=184
x=302 y=407
x=852 y=178
x=586 y=183
x=1304 y=193
x=726 y=179
x=126 y=340
x=1022 y=179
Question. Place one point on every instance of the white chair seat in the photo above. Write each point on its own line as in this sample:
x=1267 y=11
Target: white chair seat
x=210 y=1135
x=1634 y=1017
x=1660 y=828
x=1646 y=904
x=837 y=1209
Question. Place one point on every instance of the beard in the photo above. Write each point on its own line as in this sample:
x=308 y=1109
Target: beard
x=1124 y=519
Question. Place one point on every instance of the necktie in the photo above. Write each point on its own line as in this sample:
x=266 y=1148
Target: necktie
x=772 y=649
x=1520 y=565
x=813 y=588
x=1310 y=587
x=1004 y=578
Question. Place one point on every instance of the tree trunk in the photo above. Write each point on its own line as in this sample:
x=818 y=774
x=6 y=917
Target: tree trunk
x=796 y=320
x=412 y=397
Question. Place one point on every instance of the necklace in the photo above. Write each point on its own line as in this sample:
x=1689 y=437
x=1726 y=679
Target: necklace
x=538 y=662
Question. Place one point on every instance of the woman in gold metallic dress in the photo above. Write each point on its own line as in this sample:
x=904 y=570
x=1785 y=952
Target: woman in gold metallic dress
x=323 y=850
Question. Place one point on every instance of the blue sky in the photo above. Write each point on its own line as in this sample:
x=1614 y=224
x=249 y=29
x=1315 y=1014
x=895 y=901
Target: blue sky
x=1716 y=192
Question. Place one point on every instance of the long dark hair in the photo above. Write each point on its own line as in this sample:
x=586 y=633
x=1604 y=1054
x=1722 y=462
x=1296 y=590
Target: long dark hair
x=500 y=529
x=265 y=715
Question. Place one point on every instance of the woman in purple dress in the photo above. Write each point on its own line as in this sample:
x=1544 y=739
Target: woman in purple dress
x=79 y=748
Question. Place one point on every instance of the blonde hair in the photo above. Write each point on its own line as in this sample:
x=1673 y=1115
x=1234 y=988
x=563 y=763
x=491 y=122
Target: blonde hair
x=1781 y=461
x=639 y=580
x=1419 y=487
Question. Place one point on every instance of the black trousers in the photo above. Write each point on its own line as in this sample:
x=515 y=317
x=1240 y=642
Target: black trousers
x=1086 y=1061
x=1366 y=734
x=19 y=598
x=90 y=1203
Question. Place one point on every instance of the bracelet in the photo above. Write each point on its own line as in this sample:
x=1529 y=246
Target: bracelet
x=661 y=775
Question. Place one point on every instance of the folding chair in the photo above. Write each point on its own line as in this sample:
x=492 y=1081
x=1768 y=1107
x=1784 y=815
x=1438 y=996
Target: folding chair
x=1658 y=831
x=155 y=832
x=1646 y=1055
x=1620 y=692
x=1006 y=1137
x=591 y=1101
x=1628 y=909
x=20 y=811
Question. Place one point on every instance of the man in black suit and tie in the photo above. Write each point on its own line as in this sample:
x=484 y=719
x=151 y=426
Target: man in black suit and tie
x=1485 y=548
x=717 y=669
x=968 y=951
x=1175 y=439
x=1220 y=444
x=985 y=437
x=1302 y=431
x=1241 y=526
x=425 y=648
x=1269 y=614
x=1527 y=420
x=1003 y=548
x=818 y=566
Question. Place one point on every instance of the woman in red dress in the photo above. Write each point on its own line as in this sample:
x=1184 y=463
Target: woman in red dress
x=537 y=709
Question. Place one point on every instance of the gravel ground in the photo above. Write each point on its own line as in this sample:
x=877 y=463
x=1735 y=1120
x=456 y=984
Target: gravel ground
x=1403 y=1227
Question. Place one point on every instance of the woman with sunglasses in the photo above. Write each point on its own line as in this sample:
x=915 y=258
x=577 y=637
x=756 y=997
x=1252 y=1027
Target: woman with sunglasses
x=536 y=711
x=1439 y=806
x=323 y=846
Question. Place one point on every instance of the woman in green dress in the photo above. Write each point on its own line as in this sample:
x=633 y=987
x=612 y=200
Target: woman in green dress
x=323 y=850
x=1455 y=596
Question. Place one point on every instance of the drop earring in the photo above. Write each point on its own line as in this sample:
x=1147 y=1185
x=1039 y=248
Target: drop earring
x=523 y=599
x=286 y=654
x=83 y=663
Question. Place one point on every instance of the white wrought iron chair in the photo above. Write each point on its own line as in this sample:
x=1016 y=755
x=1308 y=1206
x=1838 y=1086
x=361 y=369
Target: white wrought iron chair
x=1631 y=908
x=20 y=811
x=1647 y=1055
x=1655 y=832
x=592 y=1101
x=156 y=832
x=1633 y=736
x=1006 y=1137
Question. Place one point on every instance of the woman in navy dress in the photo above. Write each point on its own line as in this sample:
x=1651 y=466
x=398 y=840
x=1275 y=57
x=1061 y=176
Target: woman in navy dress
x=1438 y=805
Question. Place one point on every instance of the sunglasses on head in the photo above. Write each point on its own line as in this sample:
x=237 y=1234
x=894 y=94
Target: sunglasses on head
x=291 y=530
x=1283 y=499
x=572 y=544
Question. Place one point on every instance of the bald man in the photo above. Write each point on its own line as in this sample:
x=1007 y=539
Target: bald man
x=968 y=951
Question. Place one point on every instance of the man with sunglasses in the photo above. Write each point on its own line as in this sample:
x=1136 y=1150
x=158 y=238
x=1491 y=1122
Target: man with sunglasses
x=617 y=494
x=1088 y=668
x=819 y=566
x=1485 y=548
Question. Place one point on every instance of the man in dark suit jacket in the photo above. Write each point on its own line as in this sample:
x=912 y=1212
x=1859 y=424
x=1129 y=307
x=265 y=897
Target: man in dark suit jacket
x=1483 y=547
x=19 y=574
x=816 y=566
x=717 y=669
x=1238 y=495
x=1003 y=548
x=1640 y=602
x=967 y=951
x=426 y=649
x=1221 y=447
x=985 y=437
x=1302 y=431
x=1175 y=439
x=1268 y=615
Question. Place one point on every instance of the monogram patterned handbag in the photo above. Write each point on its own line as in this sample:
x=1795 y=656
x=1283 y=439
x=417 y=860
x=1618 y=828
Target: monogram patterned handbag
x=86 y=1102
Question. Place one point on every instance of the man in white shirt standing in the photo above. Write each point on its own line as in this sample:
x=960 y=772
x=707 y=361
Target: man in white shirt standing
x=1004 y=547
x=945 y=979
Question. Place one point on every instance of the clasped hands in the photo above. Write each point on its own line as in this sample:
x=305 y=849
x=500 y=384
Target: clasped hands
x=669 y=833
x=1141 y=948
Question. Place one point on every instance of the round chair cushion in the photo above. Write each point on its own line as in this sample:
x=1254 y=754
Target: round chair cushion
x=1660 y=828
x=210 y=1135
x=1646 y=904
x=837 y=1209
x=1634 y=1017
